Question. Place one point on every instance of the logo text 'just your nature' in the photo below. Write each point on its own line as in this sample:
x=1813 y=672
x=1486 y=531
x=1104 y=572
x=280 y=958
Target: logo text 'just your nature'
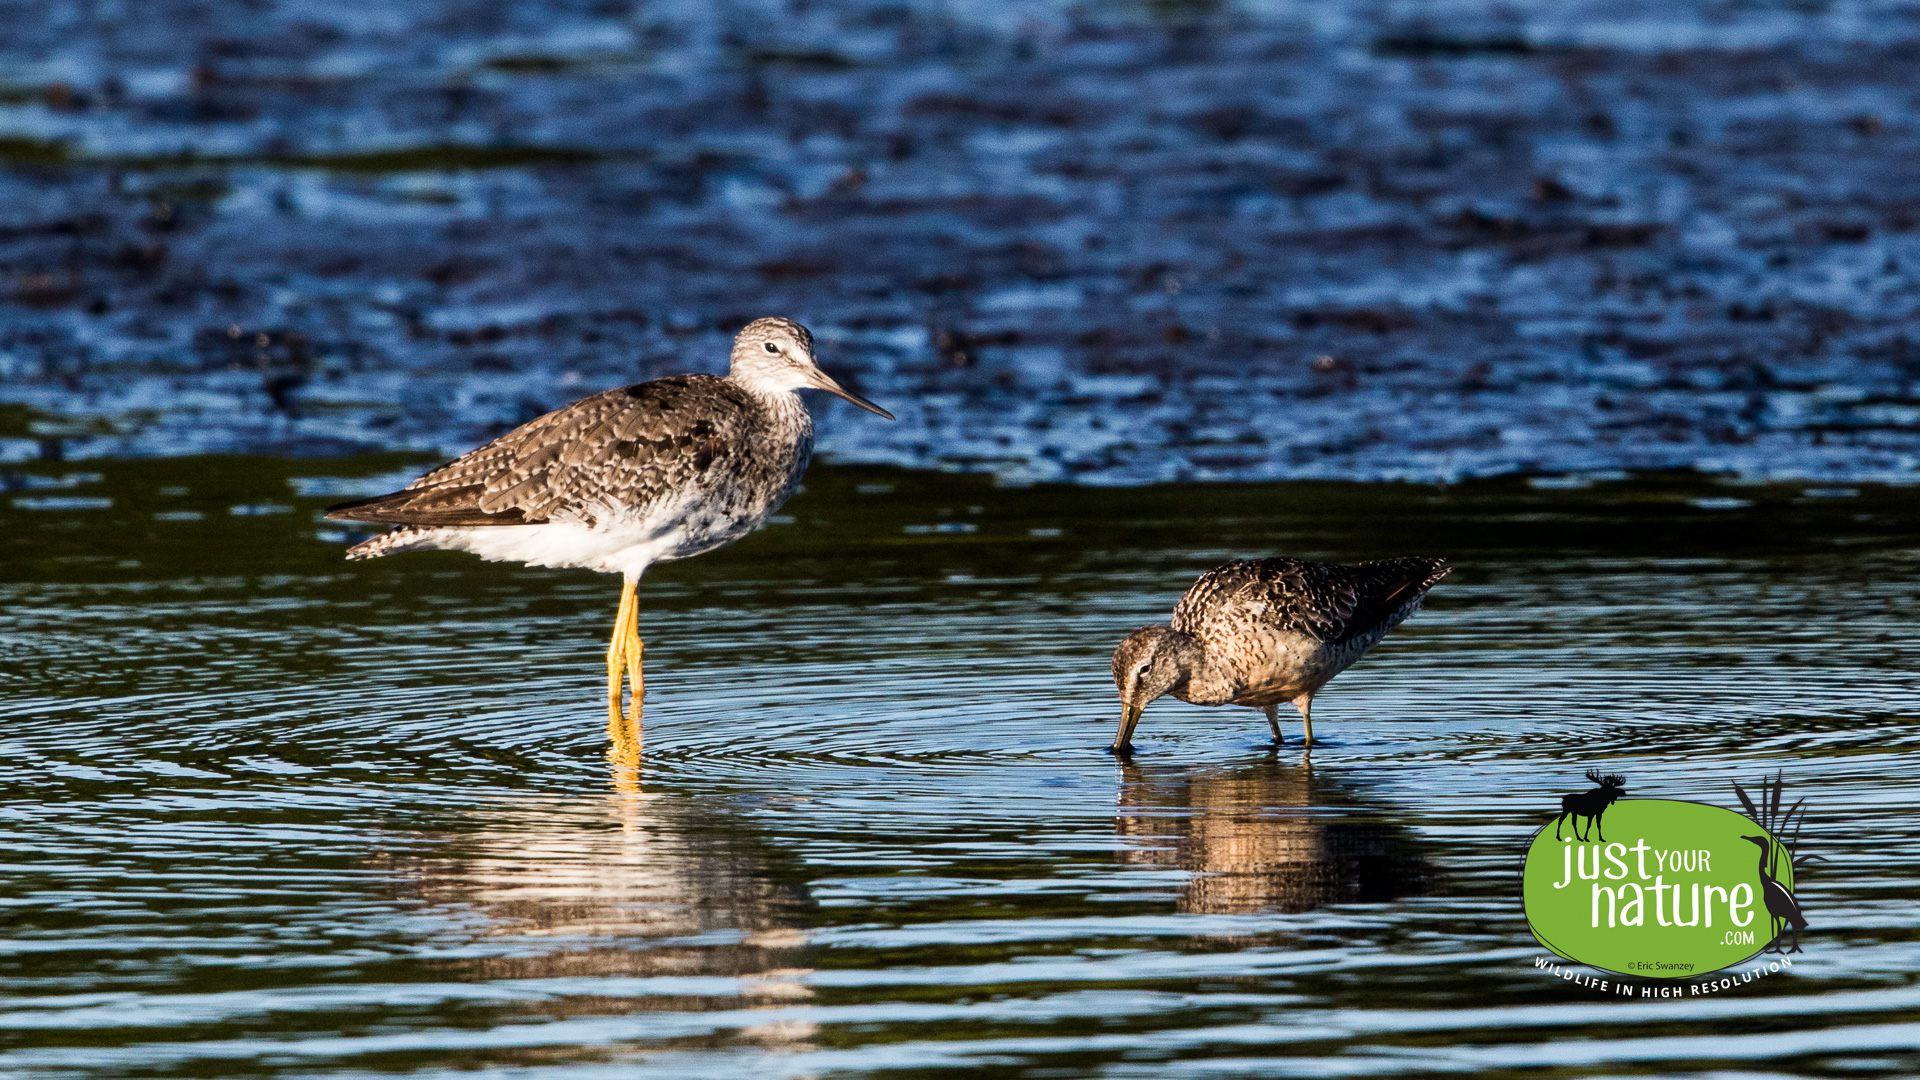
x=1627 y=903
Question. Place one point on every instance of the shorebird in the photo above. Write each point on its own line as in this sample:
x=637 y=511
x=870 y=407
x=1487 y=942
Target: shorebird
x=626 y=478
x=1262 y=631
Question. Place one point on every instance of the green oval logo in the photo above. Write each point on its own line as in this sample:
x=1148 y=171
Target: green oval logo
x=1675 y=889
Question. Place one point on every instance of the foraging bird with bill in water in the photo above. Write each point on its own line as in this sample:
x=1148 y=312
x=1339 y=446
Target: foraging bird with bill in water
x=618 y=481
x=1260 y=632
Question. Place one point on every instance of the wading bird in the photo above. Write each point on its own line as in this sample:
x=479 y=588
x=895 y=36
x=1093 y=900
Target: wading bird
x=624 y=479
x=1264 y=631
x=1781 y=905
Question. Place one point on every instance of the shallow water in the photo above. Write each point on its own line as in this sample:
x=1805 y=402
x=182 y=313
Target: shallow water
x=270 y=813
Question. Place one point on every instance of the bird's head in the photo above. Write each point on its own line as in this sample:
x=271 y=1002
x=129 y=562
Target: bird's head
x=1152 y=662
x=774 y=355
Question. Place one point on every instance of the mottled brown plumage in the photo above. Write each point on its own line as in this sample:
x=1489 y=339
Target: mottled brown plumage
x=623 y=451
x=1258 y=632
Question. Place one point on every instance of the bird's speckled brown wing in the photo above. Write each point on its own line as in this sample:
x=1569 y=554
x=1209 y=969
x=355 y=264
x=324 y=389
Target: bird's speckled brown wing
x=627 y=448
x=1332 y=603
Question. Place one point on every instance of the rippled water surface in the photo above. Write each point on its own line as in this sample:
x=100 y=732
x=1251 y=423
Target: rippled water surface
x=269 y=813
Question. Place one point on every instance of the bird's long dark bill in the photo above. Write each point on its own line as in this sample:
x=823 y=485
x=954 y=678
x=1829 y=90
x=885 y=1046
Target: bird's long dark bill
x=1129 y=716
x=825 y=382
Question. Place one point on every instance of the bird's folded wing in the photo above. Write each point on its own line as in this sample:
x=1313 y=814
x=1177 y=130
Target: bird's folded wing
x=1381 y=588
x=1330 y=603
x=620 y=450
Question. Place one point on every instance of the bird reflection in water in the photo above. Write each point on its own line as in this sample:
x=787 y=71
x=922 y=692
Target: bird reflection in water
x=1264 y=837
x=623 y=748
x=615 y=886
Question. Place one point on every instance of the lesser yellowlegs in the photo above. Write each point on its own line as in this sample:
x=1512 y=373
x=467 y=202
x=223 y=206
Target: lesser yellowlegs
x=624 y=479
x=1264 y=631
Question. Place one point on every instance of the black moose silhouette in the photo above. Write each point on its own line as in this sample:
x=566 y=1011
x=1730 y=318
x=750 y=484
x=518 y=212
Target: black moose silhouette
x=1590 y=804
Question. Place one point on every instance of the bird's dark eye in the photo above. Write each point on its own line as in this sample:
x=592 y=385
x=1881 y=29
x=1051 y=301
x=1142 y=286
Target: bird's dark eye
x=771 y=347
x=1143 y=669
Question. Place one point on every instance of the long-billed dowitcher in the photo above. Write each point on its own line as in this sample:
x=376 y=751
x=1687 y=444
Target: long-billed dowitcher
x=624 y=479
x=1262 y=631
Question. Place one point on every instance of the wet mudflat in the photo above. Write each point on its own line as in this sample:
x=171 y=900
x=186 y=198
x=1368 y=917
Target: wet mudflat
x=271 y=814
x=1114 y=243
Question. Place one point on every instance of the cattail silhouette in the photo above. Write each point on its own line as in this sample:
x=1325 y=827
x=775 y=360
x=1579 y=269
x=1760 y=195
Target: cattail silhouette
x=1783 y=827
x=1590 y=804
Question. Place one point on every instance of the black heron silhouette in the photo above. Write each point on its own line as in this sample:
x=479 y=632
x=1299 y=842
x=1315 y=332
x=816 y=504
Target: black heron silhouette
x=1785 y=911
x=1590 y=804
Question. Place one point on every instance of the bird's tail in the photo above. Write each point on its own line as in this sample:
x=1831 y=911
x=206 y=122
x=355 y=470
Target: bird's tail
x=1416 y=576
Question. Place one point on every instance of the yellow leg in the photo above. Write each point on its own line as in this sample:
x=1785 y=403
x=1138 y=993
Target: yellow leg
x=1305 y=704
x=623 y=659
x=635 y=678
x=617 y=655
